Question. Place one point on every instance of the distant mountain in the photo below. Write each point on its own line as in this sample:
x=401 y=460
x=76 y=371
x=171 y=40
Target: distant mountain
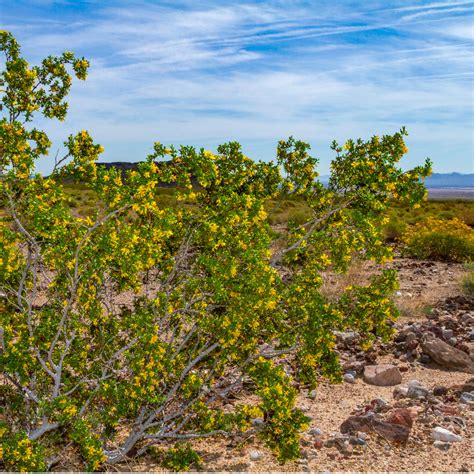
x=450 y=180
x=438 y=180
x=121 y=165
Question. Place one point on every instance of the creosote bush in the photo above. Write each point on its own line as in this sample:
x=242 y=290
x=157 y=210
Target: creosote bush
x=437 y=239
x=128 y=328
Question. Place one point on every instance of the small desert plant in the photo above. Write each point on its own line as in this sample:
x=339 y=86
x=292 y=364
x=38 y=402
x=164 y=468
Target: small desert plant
x=180 y=457
x=437 y=239
x=393 y=229
x=468 y=284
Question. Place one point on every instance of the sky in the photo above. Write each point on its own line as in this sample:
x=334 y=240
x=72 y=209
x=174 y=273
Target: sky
x=206 y=72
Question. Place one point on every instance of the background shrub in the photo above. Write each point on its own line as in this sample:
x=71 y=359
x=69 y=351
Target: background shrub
x=437 y=239
x=468 y=284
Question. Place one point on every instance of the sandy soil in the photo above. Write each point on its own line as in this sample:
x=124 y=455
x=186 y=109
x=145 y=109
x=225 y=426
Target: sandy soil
x=334 y=404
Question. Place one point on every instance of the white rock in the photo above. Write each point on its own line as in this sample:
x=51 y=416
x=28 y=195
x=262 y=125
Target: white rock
x=315 y=432
x=349 y=378
x=255 y=455
x=312 y=394
x=442 y=434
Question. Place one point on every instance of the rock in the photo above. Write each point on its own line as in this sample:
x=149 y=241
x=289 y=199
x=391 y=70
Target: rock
x=442 y=434
x=255 y=455
x=447 y=356
x=452 y=341
x=417 y=392
x=356 y=441
x=312 y=394
x=392 y=432
x=318 y=444
x=447 y=334
x=379 y=404
x=368 y=424
x=468 y=386
x=442 y=445
x=349 y=378
x=401 y=416
x=354 y=366
x=400 y=392
x=383 y=375
x=315 y=432
x=410 y=337
x=449 y=410
x=257 y=422
x=356 y=423
x=341 y=442
x=403 y=367
x=467 y=398
x=440 y=390
x=424 y=359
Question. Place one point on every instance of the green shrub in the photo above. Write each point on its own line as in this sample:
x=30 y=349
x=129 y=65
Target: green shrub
x=468 y=284
x=437 y=239
x=394 y=229
x=181 y=457
x=127 y=328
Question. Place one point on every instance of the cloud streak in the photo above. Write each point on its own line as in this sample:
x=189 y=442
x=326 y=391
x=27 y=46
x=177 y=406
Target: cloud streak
x=262 y=70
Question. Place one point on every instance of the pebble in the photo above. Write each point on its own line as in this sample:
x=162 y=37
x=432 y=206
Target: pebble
x=356 y=441
x=257 y=422
x=447 y=334
x=349 y=378
x=318 y=444
x=467 y=398
x=424 y=359
x=255 y=455
x=442 y=434
x=417 y=392
x=400 y=391
x=315 y=432
x=440 y=390
x=312 y=394
x=452 y=341
x=442 y=445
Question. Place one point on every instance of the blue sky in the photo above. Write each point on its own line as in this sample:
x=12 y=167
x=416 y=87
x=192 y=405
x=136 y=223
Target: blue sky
x=205 y=72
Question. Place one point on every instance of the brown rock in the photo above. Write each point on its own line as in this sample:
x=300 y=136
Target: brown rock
x=318 y=444
x=440 y=390
x=392 y=432
x=358 y=423
x=383 y=375
x=401 y=416
x=389 y=431
x=446 y=355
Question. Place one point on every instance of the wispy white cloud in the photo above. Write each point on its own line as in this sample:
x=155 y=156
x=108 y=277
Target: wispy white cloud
x=258 y=71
